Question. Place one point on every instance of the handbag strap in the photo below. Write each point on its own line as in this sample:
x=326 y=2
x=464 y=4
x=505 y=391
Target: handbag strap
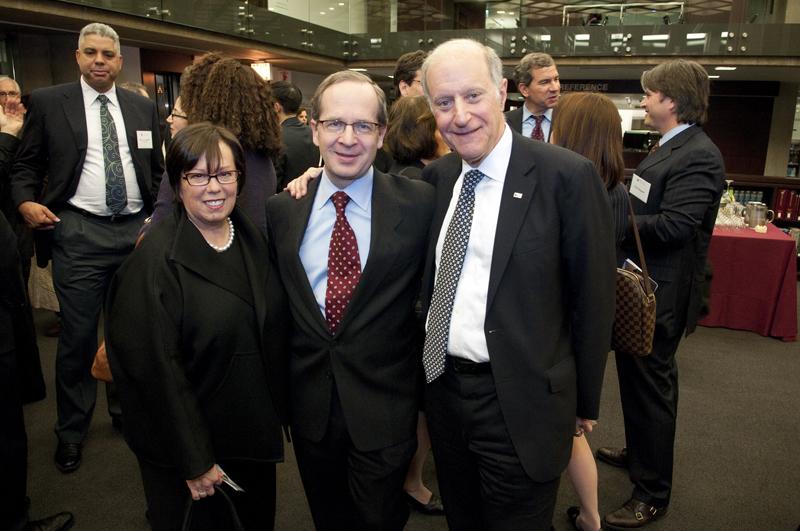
x=237 y=523
x=647 y=288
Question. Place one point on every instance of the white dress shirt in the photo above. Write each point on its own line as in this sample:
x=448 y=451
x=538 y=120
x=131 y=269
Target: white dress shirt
x=672 y=133
x=317 y=238
x=467 y=339
x=528 y=122
x=90 y=194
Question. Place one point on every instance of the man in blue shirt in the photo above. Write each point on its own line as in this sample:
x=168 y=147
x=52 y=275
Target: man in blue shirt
x=350 y=255
x=537 y=79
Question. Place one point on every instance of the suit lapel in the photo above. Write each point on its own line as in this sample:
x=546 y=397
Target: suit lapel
x=518 y=190
x=382 y=249
x=663 y=152
x=72 y=103
x=301 y=213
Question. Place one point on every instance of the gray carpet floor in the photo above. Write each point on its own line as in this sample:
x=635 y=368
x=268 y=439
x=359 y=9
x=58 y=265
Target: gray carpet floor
x=737 y=464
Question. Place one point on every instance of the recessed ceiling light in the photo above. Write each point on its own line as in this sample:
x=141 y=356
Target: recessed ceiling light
x=501 y=12
x=358 y=69
x=724 y=68
x=713 y=77
x=545 y=38
x=695 y=36
x=582 y=37
x=661 y=37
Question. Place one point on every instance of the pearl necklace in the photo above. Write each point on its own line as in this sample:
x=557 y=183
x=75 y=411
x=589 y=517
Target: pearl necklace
x=227 y=246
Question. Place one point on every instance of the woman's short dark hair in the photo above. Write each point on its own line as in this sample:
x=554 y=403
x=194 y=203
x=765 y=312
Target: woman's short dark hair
x=589 y=124
x=686 y=83
x=411 y=135
x=198 y=140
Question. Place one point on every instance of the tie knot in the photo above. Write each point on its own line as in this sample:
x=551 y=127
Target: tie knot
x=538 y=119
x=103 y=99
x=472 y=178
x=340 y=200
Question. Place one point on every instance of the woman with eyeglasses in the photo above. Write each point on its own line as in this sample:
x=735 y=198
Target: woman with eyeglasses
x=194 y=334
x=227 y=93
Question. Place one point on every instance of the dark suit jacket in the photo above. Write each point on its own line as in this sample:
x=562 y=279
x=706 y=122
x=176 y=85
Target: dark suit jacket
x=514 y=121
x=686 y=177
x=299 y=151
x=551 y=296
x=197 y=353
x=375 y=357
x=54 y=141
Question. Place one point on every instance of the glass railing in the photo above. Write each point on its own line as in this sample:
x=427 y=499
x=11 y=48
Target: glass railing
x=357 y=30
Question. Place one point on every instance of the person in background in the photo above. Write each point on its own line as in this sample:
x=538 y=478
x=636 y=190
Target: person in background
x=538 y=81
x=589 y=124
x=299 y=152
x=97 y=149
x=675 y=192
x=411 y=137
x=406 y=78
x=302 y=115
x=233 y=96
x=138 y=88
x=195 y=324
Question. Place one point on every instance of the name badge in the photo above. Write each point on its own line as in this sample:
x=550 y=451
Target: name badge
x=144 y=139
x=640 y=189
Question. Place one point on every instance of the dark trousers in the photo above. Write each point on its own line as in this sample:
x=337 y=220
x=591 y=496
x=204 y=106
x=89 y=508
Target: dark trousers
x=649 y=391
x=351 y=489
x=86 y=253
x=13 y=447
x=168 y=498
x=481 y=479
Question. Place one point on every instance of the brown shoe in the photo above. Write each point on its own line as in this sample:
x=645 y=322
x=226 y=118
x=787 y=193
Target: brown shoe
x=633 y=515
x=613 y=456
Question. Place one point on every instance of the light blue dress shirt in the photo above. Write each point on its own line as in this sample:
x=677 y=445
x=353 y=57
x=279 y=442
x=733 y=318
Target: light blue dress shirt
x=672 y=133
x=528 y=123
x=317 y=238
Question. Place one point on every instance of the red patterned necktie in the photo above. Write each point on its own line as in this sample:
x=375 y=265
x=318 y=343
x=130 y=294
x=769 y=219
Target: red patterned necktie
x=538 y=133
x=344 y=265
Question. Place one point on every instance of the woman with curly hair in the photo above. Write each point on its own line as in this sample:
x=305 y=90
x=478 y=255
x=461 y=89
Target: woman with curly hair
x=227 y=93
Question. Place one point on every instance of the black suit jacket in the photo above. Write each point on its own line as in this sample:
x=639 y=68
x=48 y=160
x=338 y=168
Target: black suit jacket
x=299 y=151
x=686 y=177
x=551 y=296
x=54 y=141
x=374 y=359
x=197 y=353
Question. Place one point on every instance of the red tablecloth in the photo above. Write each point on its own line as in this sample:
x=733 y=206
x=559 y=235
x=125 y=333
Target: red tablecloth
x=755 y=282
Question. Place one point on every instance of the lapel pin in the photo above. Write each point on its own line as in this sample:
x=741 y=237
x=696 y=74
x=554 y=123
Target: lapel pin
x=517 y=195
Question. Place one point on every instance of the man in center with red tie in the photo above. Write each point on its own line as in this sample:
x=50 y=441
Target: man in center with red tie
x=537 y=80
x=350 y=255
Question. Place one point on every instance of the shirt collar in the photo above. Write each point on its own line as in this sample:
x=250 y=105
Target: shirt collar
x=90 y=94
x=672 y=133
x=495 y=165
x=528 y=115
x=359 y=190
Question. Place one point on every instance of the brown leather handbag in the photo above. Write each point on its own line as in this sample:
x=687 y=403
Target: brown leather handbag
x=100 y=367
x=635 y=314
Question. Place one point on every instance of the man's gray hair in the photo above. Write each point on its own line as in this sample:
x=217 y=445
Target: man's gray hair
x=532 y=61
x=102 y=30
x=444 y=50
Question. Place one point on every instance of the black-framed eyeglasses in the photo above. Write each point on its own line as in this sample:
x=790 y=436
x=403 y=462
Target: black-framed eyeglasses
x=173 y=114
x=361 y=127
x=202 y=179
x=13 y=94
